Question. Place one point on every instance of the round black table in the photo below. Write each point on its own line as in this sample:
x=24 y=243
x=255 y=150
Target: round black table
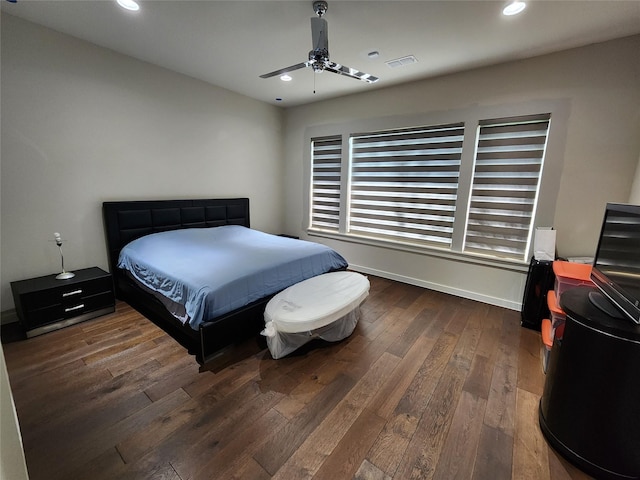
x=590 y=407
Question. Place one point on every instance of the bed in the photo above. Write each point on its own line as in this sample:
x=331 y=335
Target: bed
x=160 y=255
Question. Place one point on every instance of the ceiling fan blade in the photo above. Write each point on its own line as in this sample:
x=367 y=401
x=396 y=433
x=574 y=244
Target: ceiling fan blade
x=282 y=71
x=349 y=72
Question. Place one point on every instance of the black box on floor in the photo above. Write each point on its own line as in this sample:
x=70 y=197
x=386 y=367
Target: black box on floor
x=540 y=279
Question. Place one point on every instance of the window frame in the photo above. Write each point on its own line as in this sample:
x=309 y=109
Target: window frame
x=472 y=117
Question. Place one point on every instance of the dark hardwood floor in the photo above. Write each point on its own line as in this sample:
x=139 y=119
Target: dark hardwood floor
x=428 y=386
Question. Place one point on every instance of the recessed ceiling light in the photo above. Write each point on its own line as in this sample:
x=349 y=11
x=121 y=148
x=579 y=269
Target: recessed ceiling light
x=285 y=78
x=129 y=5
x=374 y=54
x=514 y=8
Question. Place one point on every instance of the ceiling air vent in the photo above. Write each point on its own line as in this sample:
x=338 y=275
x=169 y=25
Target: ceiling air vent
x=401 y=62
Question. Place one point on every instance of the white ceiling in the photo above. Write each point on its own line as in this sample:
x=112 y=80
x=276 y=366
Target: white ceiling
x=230 y=43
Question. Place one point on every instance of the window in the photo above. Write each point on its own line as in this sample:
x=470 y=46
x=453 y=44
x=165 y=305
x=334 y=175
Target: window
x=325 y=182
x=404 y=184
x=506 y=179
x=469 y=185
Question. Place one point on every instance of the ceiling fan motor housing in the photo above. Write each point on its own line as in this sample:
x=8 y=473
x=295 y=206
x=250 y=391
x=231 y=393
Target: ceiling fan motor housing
x=320 y=43
x=320 y=7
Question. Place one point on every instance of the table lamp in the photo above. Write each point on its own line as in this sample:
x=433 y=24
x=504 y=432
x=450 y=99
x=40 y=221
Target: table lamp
x=64 y=275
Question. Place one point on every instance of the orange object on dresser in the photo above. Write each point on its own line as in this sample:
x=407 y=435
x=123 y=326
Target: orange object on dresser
x=570 y=275
x=557 y=315
x=547 y=333
x=547 y=342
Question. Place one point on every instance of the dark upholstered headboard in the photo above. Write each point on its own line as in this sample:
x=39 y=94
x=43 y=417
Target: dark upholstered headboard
x=128 y=220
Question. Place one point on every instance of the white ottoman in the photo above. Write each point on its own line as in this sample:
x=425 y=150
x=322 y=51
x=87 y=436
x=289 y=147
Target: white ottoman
x=323 y=307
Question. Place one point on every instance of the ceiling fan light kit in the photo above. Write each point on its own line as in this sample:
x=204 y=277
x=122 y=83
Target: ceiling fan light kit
x=319 y=55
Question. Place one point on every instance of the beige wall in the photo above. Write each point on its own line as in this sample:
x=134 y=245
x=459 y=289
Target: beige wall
x=599 y=83
x=82 y=125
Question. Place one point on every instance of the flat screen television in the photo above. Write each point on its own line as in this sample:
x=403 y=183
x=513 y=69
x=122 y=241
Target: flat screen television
x=616 y=266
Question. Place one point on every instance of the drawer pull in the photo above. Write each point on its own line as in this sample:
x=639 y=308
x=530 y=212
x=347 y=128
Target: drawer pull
x=75 y=292
x=77 y=307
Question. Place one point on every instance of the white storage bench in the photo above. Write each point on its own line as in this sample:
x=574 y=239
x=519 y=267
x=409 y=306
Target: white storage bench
x=326 y=307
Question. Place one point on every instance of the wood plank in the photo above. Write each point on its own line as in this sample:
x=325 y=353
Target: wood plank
x=530 y=450
x=388 y=320
x=494 y=456
x=248 y=468
x=70 y=380
x=204 y=425
x=107 y=465
x=322 y=442
x=562 y=469
x=530 y=376
x=314 y=376
x=423 y=452
x=466 y=346
x=491 y=332
x=501 y=403
x=285 y=442
x=95 y=406
x=478 y=380
x=457 y=319
x=182 y=370
x=222 y=432
x=386 y=399
x=459 y=451
x=391 y=445
x=418 y=325
x=88 y=446
x=244 y=442
x=346 y=458
x=369 y=471
x=410 y=294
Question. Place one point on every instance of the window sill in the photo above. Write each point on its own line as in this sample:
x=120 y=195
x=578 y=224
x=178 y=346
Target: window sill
x=477 y=259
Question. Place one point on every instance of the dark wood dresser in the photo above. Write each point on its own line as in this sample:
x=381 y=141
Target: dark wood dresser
x=46 y=303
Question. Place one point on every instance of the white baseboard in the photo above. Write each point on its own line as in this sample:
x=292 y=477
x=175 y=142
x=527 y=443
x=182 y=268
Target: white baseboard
x=498 y=302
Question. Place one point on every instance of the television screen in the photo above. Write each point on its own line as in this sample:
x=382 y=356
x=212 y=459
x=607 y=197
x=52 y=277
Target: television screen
x=616 y=267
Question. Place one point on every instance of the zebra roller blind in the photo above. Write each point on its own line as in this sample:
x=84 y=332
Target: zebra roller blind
x=403 y=184
x=326 y=154
x=508 y=166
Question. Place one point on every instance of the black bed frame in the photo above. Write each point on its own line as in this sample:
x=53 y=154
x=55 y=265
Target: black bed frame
x=127 y=220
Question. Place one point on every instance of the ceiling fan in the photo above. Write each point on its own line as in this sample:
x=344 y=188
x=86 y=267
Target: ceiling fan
x=319 y=56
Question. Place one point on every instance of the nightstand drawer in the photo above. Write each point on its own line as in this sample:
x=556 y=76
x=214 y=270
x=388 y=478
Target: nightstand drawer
x=40 y=316
x=66 y=294
x=88 y=304
x=61 y=311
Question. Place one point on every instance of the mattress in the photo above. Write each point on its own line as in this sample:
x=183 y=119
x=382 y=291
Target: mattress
x=213 y=271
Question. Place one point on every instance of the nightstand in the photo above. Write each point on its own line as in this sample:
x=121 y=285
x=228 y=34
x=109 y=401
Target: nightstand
x=44 y=304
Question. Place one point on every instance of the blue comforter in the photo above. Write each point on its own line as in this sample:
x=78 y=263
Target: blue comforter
x=212 y=271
